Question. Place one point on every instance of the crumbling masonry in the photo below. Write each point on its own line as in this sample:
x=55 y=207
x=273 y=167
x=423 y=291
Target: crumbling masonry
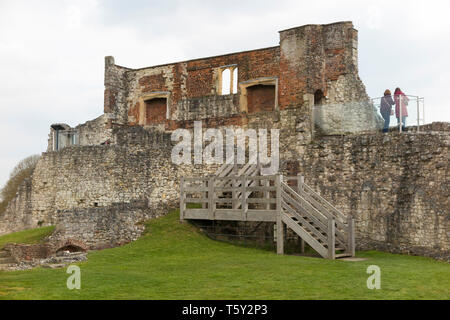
x=98 y=180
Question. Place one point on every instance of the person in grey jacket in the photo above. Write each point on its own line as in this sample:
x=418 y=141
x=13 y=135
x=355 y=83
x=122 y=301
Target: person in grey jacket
x=386 y=109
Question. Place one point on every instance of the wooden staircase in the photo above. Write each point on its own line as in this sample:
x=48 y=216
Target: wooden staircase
x=226 y=197
x=317 y=222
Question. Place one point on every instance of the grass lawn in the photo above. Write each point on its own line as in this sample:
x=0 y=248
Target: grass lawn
x=33 y=236
x=175 y=261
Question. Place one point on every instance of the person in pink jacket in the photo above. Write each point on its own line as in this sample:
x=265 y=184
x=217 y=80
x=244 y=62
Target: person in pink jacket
x=401 y=101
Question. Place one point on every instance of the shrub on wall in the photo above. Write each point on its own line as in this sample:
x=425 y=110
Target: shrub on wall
x=21 y=172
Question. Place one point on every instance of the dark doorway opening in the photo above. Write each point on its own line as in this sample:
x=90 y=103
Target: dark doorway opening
x=318 y=98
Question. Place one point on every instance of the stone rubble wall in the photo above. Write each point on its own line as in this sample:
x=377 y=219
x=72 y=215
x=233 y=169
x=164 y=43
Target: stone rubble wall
x=137 y=167
x=27 y=252
x=396 y=186
x=18 y=215
x=94 y=132
x=347 y=109
x=107 y=227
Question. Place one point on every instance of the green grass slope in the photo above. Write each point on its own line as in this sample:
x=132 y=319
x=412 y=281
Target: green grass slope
x=175 y=261
x=33 y=236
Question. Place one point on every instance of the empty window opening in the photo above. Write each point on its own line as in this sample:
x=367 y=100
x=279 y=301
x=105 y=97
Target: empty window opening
x=226 y=81
x=235 y=80
x=64 y=136
x=260 y=98
x=319 y=98
x=229 y=80
x=155 y=111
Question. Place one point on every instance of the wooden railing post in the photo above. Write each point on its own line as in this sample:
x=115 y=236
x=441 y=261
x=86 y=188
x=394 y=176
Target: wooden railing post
x=204 y=193
x=280 y=225
x=300 y=182
x=331 y=239
x=351 y=236
x=244 y=197
x=234 y=193
x=234 y=184
x=212 y=203
x=182 y=200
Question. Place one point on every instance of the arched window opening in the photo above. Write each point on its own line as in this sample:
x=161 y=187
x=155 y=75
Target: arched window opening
x=226 y=81
x=235 y=80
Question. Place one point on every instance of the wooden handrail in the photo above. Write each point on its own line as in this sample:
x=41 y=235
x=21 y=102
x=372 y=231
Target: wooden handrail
x=331 y=207
x=340 y=232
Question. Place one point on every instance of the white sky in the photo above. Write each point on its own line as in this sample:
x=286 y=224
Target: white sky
x=52 y=52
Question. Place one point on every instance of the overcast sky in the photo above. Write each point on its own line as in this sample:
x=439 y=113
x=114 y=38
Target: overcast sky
x=52 y=52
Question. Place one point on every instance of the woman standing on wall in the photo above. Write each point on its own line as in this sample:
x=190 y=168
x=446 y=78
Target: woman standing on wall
x=386 y=109
x=401 y=103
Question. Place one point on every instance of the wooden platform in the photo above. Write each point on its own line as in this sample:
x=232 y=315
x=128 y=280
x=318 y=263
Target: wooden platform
x=243 y=195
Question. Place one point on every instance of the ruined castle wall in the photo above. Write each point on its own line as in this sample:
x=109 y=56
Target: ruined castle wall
x=137 y=167
x=387 y=182
x=90 y=133
x=18 y=215
x=94 y=132
x=309 y=58
x=396 y=186
x=346 y=109
x=100 y=228
x=194 y=86
x=115 y=95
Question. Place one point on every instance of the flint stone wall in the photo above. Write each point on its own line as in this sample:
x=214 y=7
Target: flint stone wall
x=100 y=228
x=136 y=168
x=396 y=186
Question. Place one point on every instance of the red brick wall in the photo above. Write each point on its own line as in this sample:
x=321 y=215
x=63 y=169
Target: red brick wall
x=199 y=83
x=153 y=83
x=195 y=78
x=198 y=74
x=251 y=65
x=260 y=98
x=23 y=252
x=307 y=58
x=155 y=111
